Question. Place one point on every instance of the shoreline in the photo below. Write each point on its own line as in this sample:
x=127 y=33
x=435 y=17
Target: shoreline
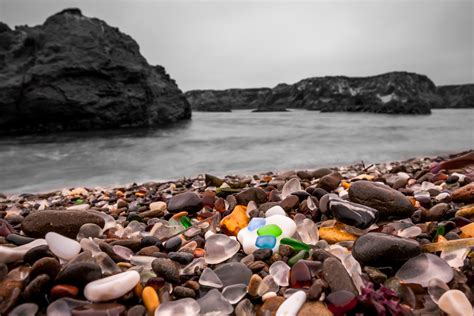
x=352 y=239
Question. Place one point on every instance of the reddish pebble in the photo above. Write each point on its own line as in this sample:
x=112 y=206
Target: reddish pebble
x=62 y=290
x=300 y=276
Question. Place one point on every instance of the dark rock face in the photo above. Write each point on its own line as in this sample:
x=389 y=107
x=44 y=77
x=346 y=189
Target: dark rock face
x=391 y=93
x=457 y=96
x=226 y=100
x=75 y=73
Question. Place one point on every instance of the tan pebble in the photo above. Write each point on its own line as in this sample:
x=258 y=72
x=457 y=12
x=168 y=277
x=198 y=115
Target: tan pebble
x=158 y=206
x=270 y=306
x=268 y=295
x=335 y=234
x=254 y=283
x=314 y=308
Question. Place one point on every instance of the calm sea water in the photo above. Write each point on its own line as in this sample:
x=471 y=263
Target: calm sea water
x=227 y=143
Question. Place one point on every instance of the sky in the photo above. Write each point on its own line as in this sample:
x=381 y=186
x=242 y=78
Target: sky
x=239 y=44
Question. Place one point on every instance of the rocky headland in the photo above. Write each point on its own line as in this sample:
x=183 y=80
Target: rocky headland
x=384 y=239
x=77 y=73
x=457 y=96
x=226 y=100
x=391 y=93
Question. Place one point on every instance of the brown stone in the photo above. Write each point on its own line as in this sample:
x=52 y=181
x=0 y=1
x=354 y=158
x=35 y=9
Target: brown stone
x=254 y=283
x=270 y=306
x=330 y=182
x=314 y=308
x=290 y=202
x=464 y=194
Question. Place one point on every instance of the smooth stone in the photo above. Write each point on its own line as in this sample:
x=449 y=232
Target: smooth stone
x=111 y=287
x=389 y=202
x=79 y=274
x=137 y=310
x=337 y=277
x=350 y=213
x=63 y=247
x=18 y=239
x=286 y=224
x=67 y=223
x=270 y=306
x=247 y=239
x=254 y=284
x=219 y=248
x=252 y=194
x=234 y=293
x=89 y=230
x=64 y=306
x=105 y=309
x=185 y=306
x=290 y=202
x=150 y=299
x=255 y=223
x=36 y=288
x=300 y=276
x=422 y=268
x=275 y=210
x=25 y=309
x=455 y=303
x=47 y=265
x=307 y=231
x=291 y=186
x=12 y=254
x=267 y=285
x=292 y=304
x=233 y=273
x=3 y=271
x=265 y=242
x=262 y=254
x=213 y=302
x=173 y=244
x=314 y=308
x=36 y=253
x=330 y=181
x=379 y=249
x=235 y=221
x=245 y=308
x=270 y=229
x=183 y=292
x=167 y=269
x=280 y=272
x=464 y=194
x=341 y=302
x=61 y=290
x=436 y=288
x=185 y=202
x=210 y=279
x=181 y=257
x=161 y=206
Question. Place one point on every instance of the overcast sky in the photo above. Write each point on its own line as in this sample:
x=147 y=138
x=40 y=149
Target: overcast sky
x=230 y=44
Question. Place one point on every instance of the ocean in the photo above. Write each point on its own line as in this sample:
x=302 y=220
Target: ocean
x=239 y=142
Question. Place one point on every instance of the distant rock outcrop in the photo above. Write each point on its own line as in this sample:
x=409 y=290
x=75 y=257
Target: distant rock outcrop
x=392 y=93
x=77 y=73
x=226 y=100
x=457 y=96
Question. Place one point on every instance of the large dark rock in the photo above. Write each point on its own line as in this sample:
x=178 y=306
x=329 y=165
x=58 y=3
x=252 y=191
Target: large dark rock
x=389 y=202
x=226 y=100
x=456 y=96
x=76 y=72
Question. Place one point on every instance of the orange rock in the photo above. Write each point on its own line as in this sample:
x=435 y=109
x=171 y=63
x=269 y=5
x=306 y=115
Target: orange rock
x=177 y=216
x=150 y=299
x=235 y=221
x=138 y=289
x=464 y=194
x=62 y=290
x=199 y=252
x=467 y=231
x=346 y=185
x=335 y=234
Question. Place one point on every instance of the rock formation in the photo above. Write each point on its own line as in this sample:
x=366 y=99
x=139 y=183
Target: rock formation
x=78 y=73
x=392 y=93
x=457 y=96
x=226 y=100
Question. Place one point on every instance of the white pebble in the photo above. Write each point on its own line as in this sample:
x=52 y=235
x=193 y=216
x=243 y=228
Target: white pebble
x=455 y=303
x=63 y=247
x=12 y=254
x=112 y=287
x=292 y=304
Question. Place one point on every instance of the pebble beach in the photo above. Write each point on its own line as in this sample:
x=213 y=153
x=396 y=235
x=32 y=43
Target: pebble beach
x=382 y=239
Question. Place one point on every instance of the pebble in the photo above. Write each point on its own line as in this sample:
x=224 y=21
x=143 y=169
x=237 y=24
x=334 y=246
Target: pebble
x=314 y=308
x=233 y=273
x=350 y=213
x=330 y=181
x=102 y=309
x=79 y=274
x=337 y=277
x=280 y=272
x=137 y=310
x=63 y=247
x=422 y=268
x=254 y=284
x=464 y=194
x=234 y=293
x=341 y=302
x=167 y=269
x=210 y=279
x=25 y=309
x=235 y=221
x=61 y=290
x=182 y=292
x=184 y=306
x=270 y=306
x=185 y=202
x=36 y=288
x=89 y=230
x=389 y=202
x=66 y=223
x=46 y=265
x=379 y=249
x=252 y=194
x=219 y=248
x=455 y=303
x=292 y=304
x=245 y=308
x=12 y=254
x=213 y=302
x=150 y=299
x=111 y=287
x=181 y=257
x=275 y=210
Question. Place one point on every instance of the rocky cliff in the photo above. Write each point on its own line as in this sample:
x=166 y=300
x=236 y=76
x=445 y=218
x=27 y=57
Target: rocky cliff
x=457 y=96
x=226 y=100
x=393 y=93
x=76 y=73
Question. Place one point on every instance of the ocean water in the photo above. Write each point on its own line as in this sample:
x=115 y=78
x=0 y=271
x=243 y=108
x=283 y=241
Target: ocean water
x=240 y=142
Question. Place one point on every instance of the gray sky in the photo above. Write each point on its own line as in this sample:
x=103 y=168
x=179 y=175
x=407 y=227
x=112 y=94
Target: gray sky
x=230 y=44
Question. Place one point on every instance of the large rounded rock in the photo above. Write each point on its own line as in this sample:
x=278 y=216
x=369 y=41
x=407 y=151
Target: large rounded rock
x=389 y=202
x=337 y=277
x=464 y=194
x=79 y=274
x=253 y=194
x=188 y=202
x=378 y=249
x=66 y=223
